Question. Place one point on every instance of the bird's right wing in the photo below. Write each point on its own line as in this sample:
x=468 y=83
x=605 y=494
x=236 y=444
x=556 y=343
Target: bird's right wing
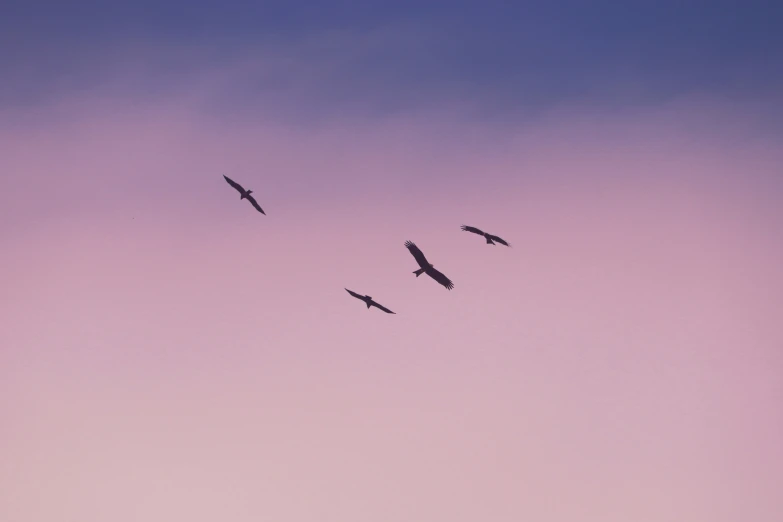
x=440 y=278
x=255 y=204
x=373 y=303
x=472 y=229
x=499 y=240
x=234 y=184
x=417 y=254
x=357 y=296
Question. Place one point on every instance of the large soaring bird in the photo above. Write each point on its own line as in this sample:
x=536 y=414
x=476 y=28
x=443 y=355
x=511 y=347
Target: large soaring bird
x=427 y=267
x=490 y=238
x=244 y=194
x=367 y=299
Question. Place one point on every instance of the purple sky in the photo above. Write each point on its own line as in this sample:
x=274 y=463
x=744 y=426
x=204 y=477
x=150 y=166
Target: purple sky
x=167 y=353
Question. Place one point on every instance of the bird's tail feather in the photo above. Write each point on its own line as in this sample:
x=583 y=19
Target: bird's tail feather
x=418 y=272
x=490 y=242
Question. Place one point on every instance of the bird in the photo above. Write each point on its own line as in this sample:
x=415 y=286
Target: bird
x=427 y=267
x=490 y=238
x=367 y=299
x=244 y=194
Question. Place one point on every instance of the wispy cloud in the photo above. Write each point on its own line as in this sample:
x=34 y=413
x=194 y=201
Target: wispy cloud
x=500 y=61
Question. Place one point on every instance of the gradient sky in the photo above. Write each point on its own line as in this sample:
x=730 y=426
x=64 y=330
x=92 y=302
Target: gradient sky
x=167 y=353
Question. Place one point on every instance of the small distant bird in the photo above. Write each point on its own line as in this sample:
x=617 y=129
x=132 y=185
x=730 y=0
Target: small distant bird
x=427 y=267
x=490 y=238
x=367 y=299
x=244 y=194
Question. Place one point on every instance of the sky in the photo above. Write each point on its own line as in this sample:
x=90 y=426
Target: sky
x=167 y=353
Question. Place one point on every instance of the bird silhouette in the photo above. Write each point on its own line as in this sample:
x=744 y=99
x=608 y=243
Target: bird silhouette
x=427 y=267
x=367 y=299
x=490 y=238
x=244 y=194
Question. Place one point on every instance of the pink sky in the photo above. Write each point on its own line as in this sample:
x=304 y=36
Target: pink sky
x=167 y=354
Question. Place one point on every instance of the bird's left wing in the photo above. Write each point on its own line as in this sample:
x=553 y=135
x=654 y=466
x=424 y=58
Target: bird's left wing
x=418 y=255
x=233 y=183
x=357 y=296
x=467 y=228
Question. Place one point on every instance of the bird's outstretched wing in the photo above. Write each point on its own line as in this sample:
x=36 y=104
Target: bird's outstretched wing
x=440 y=278
x=417 y=254
x=498 y=240
x=234 y=184
x=472 y=229
x=357 y=296
x=376 y=305
x=253 y=202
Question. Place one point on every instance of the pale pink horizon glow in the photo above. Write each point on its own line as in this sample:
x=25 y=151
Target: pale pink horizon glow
x=167 y=354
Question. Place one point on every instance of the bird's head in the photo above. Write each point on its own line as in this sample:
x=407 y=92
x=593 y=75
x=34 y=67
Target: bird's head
x=249 y=191
x=368 y=297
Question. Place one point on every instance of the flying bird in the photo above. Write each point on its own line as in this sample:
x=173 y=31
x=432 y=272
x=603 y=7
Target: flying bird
x=490 y=238
x=367 y=299
x=427 y=267
x=244 y=194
